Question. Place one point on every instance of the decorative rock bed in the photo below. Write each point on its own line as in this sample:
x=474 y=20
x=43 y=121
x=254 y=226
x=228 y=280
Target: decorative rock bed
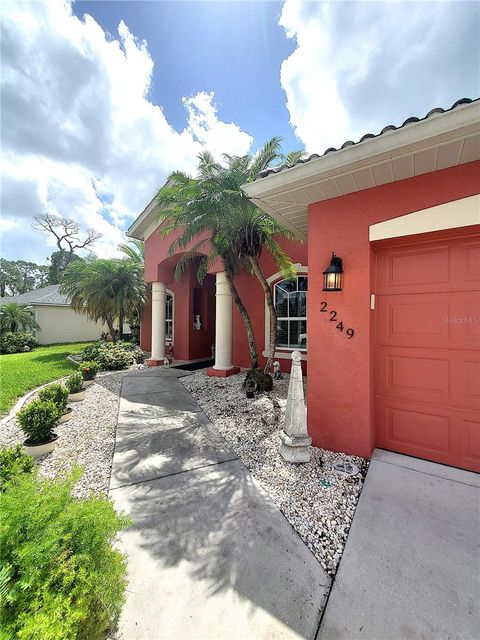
x=87 y=439
x=317 y=501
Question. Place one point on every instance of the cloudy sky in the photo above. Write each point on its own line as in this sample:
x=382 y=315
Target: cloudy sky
x=102 y=100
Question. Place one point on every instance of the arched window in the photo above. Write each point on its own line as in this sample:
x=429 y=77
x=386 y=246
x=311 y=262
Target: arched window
x=290 y=298
x=169 y=318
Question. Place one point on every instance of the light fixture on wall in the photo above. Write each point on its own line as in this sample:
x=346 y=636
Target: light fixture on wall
x=333 y=275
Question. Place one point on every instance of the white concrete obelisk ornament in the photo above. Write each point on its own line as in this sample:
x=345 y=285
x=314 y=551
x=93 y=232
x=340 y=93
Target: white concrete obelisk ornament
x=295 y=439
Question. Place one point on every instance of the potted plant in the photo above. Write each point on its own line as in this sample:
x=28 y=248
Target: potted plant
x=59 y=396
x=88 y=370
x=37 y=421
x=75 y=387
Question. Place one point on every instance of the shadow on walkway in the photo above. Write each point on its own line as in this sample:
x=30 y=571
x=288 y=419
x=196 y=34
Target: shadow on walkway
x=210 y=556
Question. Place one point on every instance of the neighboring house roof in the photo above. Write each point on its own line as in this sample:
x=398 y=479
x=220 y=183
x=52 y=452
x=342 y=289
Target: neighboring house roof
x=367 y=136
x=45 y=295
x=441 y=140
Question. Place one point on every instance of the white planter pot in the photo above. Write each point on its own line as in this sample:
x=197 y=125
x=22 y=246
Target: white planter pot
x=88 y=383
x=76 y=397
x=66 y=416
x=39 y=450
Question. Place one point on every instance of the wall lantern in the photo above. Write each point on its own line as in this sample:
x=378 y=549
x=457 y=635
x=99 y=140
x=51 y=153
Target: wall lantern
x=333 y=275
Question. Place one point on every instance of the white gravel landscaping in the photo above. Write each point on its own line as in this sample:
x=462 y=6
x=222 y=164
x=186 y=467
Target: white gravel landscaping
x=318 y=503
x=87 y=439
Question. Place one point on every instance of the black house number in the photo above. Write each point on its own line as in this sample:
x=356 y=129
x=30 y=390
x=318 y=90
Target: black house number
x=333 y=318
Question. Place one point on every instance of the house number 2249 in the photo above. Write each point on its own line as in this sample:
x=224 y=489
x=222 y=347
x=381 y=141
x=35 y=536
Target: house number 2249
x=333 y=318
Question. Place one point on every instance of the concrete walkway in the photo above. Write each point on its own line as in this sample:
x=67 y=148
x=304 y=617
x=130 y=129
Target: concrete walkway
x=210 y=557
x=411 y=565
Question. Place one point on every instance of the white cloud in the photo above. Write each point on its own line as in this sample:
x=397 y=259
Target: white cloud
x=79 y=133
x=204 y=125
x=361 y=65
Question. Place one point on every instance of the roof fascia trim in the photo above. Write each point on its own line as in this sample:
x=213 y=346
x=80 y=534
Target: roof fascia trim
x=444 y=127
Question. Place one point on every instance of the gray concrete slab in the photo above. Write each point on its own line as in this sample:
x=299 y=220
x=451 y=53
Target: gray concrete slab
x=134 y=385
x=410 y=569
x=431 y=468
x=169 y=401
x=210 y=557
x=164 y=446
x=160 y=372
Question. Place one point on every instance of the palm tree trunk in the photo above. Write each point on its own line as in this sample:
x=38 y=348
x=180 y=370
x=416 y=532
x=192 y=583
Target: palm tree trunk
x=111 y=328
x=255 y=266
x=120 y=325
x=246 y=319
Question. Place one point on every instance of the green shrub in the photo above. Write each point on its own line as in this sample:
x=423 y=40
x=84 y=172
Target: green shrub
x=17 y=342
x=58 y=394
x=74 y=382
x=88 y=369
x=12 y=462
x=38 y=419
x=113 y=355
x=60 y=579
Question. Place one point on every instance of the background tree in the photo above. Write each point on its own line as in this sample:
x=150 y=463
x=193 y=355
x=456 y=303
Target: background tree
x=9 y=278
x=68 y=239
x=217 y=218
x=66 y=232
x=17 y=317
x=28 y=275
x=20 y=276
x=105 y=290
x=43 y=275
x=58 y=262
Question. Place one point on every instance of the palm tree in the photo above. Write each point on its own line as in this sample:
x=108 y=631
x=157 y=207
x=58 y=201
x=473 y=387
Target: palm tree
x=216 y=217
x=134 y=250
x=105 y=290
x=292 y=157
x=17 y=317
x=186 y=204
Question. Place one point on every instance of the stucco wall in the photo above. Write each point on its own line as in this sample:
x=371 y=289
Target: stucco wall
x=62 y=324
x=340 y=383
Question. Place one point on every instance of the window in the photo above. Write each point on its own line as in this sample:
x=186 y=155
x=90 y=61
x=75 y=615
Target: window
x=169 y=319
x=290 y=298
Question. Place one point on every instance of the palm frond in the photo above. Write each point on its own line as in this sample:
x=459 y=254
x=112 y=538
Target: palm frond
x=292 y=157
x=265 y=156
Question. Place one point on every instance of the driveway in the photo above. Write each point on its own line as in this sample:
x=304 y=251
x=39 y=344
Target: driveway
x=411 y=565
x=210 y=557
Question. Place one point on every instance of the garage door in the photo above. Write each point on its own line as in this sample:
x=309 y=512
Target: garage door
x=427 y=350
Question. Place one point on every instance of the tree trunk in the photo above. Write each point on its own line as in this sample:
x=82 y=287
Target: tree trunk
x=120 y=325
x=253 y=262
x=246 y=320
x=111 y=328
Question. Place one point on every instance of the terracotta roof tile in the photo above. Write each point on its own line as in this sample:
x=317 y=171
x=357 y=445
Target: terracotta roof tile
x=367 y=136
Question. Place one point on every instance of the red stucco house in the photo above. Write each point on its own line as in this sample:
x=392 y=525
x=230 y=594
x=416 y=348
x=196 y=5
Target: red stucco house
x=393 y=358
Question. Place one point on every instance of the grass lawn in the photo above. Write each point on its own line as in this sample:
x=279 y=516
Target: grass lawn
x=20 y=372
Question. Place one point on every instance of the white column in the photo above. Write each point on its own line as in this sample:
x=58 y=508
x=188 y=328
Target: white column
x=159 y=304
x=223 y=324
